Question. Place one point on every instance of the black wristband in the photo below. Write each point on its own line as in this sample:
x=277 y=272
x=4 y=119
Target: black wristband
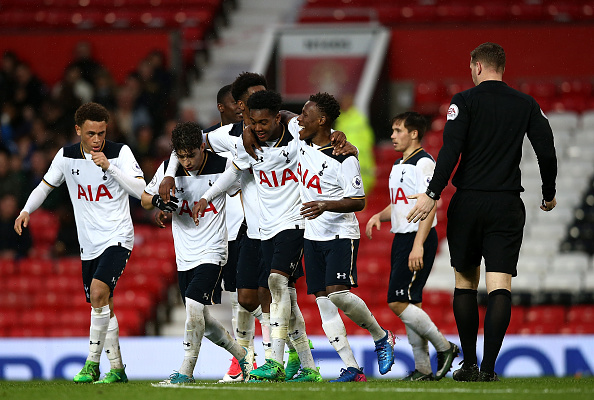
x=432 y=195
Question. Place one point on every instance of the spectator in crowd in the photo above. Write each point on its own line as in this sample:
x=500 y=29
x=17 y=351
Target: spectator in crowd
x=12 y=245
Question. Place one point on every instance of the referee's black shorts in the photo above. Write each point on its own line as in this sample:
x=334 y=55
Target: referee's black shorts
x=486 y=224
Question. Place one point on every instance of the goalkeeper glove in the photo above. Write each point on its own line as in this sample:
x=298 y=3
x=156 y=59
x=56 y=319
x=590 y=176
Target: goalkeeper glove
x=161 y=205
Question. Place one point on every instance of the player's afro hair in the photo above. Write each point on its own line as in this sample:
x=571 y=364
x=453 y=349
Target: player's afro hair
x=265 y=100
x=327 y=104
x=244 y=81
x=91 y=112
x=186 y=136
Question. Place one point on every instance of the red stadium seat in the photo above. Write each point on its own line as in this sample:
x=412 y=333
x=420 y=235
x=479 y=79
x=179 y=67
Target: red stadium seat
x=546 y=315
x=36 y=266
x=8 y=267
x=69 y=266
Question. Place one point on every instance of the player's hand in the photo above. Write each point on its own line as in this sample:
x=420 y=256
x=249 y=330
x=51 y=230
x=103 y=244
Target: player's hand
x=347 y=149
x=548 y=205
x=161 y=217
x=313 y=209
x=100 y=160
x=415 y=259
x=198 y=210
x=169 y=206
x=167 y=188
x=338 y=140
x=250 y=142
x=421 y=209
x=21 y=222
x=374 y=221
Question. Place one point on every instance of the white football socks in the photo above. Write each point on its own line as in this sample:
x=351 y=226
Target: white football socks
x=356 y=309
x=194 y=331
x=335 y=331
x=244 y=331
x=420 y=350
x=417 y=319
x=216 y=333
x=266 y=343
x=112 y=344
x=280 y=312
x=100 y=317
x=297 y=334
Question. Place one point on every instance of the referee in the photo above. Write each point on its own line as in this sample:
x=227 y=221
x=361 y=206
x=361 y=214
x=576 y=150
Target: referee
x=485 y=129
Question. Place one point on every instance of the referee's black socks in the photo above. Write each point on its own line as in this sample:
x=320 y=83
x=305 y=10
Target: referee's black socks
x=496 y=323
x=467 y=321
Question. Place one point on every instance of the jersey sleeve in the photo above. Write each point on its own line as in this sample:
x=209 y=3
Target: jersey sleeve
x=54 y=176
x=236 y=187
x=454 y=134
x=153 y=186
x=350 y=179
x=540 y=135
x=241 y=158
x=128 y=163
x=220 y=140
x=424 y=169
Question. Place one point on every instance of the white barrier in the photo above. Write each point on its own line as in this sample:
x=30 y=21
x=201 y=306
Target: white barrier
x=156 y=357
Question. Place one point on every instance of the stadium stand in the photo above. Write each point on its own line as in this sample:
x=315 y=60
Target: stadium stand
x=556 y=284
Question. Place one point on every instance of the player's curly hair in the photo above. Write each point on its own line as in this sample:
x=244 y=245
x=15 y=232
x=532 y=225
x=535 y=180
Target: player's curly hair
x=265 y=100
x=412 y=121
x=244 y=81
x=327 y=104
x=91 y=112
x=186 y=136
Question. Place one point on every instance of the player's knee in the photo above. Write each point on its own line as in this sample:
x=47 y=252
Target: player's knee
x=341 y=299
x=249 y=301
x=277 y=281
x=99 y=296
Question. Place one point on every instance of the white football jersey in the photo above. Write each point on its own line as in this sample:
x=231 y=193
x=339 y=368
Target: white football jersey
x=101 y=205
x=207 y=242
x=275 y=174
x=224 y=140
x=234 y=207
x=324 y=176
x=409 y=177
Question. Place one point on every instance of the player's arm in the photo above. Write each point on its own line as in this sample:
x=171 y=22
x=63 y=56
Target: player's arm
x=415 y=258
x=130 y=177
x=376 y=220
x=167 y=185
x=313 y=209
x=540 y=134
x=226 y=182
x=454 y=135
x=35 y=200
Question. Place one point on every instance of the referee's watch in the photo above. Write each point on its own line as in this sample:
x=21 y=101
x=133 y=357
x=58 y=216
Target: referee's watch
x=432 y=194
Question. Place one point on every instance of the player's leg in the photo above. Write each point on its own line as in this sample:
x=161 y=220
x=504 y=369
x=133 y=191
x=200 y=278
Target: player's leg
x=341 y=275
x=464 y=232
x=111 y=271
x=332 y=324
x=465 y=307
x=503 y=239
x=216 y=333
x=99 y=279
x=281 y=255
x=301 y=344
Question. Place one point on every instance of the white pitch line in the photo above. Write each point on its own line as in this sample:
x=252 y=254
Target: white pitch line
x=294 y=388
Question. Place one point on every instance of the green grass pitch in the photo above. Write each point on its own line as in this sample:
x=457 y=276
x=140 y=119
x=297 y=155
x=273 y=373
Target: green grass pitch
x=377 y=389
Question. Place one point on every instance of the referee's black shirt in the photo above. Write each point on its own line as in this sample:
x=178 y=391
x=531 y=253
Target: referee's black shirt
x=486 y=127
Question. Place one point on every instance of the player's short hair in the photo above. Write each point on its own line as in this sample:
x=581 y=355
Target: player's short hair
x=244 y=81
x=91 y=112
x=265 y=100
x=327 y=104
x=490 y=54
x=186 y=136
x=412 y=120
x=223 y=92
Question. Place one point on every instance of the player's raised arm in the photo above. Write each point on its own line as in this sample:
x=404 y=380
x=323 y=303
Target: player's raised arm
x=221 y=185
